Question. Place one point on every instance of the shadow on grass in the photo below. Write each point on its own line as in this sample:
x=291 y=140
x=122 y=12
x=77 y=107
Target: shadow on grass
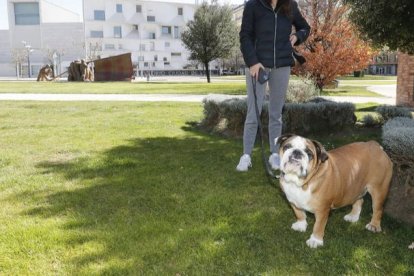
x=177 y=206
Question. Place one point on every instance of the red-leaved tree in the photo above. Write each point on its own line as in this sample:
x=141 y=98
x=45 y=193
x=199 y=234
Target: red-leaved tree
x=333 y=47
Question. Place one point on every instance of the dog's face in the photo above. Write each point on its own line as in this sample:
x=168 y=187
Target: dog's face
x=299 y=156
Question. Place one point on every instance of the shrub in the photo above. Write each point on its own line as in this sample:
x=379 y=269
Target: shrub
x=370 y=120
x=211 y=113
x=301 y=91
x=298 y=118
x=318 y=117
x=397 y=137
x=212 y=110
x=388 y=112
x=234 y=112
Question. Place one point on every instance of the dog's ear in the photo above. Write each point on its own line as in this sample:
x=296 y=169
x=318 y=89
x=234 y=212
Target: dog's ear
x=281 y=139
x=320 y=151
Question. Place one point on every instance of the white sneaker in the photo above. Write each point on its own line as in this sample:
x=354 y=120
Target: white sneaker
x=244 y=163
x=274 y=161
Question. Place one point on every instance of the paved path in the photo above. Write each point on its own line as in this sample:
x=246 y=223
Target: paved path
x=388 y=91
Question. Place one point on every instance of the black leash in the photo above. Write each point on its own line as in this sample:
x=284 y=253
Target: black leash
x=270 y=175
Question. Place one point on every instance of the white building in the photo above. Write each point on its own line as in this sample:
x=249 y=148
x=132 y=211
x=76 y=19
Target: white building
x=43 y=30
x=149 y=30
x=40 y=32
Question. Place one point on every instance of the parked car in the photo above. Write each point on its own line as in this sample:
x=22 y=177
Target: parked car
x=228 y=72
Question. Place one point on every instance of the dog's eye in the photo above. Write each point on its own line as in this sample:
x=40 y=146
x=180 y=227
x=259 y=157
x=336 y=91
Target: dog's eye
x=285 y=148
x=310 y=154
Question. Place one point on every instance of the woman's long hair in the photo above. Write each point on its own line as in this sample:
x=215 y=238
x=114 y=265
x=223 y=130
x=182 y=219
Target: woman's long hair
x=283 y=5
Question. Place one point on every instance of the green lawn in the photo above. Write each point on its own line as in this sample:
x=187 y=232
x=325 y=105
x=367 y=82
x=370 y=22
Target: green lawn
x=201 y=88
x=368 y=77
x=232 y=86
x=133 y=189
x=350 y=91
x=366 y=82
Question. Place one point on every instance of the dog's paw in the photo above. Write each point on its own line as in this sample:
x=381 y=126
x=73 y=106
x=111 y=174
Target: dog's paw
x=351 y=218
x=300 y=225
x=373 y=228
x=314 y=242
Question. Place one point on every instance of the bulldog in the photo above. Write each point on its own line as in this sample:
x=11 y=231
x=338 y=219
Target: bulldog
x=317 y=181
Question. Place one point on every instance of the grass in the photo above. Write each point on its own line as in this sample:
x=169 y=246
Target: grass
x=201 y=88
x=233 y=86
x=368 y=77
x=133 y=189
x=366 y=82
x=350 y=91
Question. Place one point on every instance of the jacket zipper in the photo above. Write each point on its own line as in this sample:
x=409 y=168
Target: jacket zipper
x=274 y=42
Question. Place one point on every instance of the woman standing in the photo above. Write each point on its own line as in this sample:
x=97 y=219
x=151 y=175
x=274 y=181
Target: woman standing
x=266 y=41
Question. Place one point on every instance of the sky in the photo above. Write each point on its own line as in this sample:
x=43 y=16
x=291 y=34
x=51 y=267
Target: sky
x=76 y=6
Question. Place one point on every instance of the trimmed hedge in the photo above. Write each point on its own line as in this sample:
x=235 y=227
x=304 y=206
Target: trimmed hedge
x=398 y=136
x=312 y=117
x=227 y=115
x=388 y=112
x=398 y=141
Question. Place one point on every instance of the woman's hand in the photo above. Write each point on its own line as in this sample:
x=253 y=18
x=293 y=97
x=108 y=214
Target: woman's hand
x=254 y=70
x=293 y=39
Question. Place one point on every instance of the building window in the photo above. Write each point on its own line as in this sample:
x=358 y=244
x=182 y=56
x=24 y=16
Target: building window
x=109 y=46
x=180 y=11
x=145 y=64
x=164 y=59
x=141 y=58
x=119 y=8
x=99 y=15
x=151 y=18
x=152 y=46
x=166 y=63
x=166 y=30
x=142 y=47
x=167 y=45
x=156 y=58
x=97 y=34
x=151 y=35
x=138 y=8
x=117 y=32
x=135 y=27
x=26 y=14
x=176 y=54
x=177 y=33
x=153 y=64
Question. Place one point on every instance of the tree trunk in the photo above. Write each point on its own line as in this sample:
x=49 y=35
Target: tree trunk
x=206 y=66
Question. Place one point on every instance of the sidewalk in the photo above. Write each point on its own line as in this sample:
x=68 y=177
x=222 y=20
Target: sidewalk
x=388 y=91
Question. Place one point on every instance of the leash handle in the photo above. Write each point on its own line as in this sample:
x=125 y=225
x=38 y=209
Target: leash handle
x=270 y=175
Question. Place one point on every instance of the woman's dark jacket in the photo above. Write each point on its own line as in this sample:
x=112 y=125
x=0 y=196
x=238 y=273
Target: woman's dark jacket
x=265 y=33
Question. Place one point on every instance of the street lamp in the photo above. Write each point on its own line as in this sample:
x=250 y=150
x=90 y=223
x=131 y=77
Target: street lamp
x=28 y=50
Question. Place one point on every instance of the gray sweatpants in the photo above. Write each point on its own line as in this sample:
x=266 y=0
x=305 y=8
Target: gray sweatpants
x=278 y=83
